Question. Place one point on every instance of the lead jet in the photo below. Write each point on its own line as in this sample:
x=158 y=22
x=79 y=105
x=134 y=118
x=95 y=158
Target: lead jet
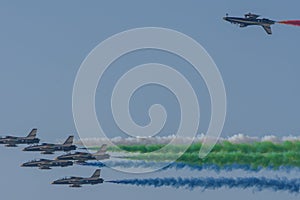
x=82 y=157
x=78 y=181
x=13 y=141
x=47 y=164
x=251 y=19
x=46 y=148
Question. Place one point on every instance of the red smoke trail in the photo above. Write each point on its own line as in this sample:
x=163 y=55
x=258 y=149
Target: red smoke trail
x=290 y=22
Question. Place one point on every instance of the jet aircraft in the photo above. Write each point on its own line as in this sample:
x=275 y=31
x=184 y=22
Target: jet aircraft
x=13 y=141
x=78 y=181
x=251 y=19
x=47 y=164
x=47 y=148
x=83 y=156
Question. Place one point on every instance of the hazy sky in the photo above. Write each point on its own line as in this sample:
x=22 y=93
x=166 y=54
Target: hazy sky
x=42 y=45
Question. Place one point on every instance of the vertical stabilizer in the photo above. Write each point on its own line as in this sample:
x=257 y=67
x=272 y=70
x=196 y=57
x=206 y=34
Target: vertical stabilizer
x=69 y=141
x=32 y=133
x=102 y=150
x=96 y=174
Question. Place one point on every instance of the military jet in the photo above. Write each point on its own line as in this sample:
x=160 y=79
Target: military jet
x=78 y=181
x=251 y=19
x=81 y=157
x=12 y=141
x=47 y=164
x=46 y=148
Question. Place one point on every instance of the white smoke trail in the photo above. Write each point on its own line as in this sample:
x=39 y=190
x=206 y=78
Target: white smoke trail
x=237 y=139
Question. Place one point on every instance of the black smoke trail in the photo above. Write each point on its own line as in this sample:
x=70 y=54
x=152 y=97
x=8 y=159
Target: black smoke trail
x=282 y=184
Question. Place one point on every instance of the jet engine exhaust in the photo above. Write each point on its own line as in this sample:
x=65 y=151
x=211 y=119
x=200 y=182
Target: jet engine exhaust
x=290 y=22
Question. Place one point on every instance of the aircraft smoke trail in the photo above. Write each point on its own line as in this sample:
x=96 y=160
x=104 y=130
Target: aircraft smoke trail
x=290 y=22
x=283 y=184
x=180 y=166
x=236 y=139
x=175 y=165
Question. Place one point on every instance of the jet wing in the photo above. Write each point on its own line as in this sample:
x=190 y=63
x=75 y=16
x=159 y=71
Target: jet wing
x=243 y=25
x=44 y=166
x=75 y=185
x=10 y=144
x=268 y=29
x=11 y=137
x=47 y=150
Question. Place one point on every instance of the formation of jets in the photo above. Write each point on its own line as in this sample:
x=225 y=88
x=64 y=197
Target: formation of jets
x=81 y=157
x=250 y=20
x=60 y=161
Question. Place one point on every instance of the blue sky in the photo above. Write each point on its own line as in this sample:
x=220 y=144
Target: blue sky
x=44 y=43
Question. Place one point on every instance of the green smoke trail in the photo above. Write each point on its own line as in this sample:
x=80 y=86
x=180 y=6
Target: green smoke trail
x=258 y=154
x=257 y=147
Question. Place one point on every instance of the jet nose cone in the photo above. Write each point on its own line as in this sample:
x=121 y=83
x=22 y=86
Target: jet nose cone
x=225 y=18
x=25 y=164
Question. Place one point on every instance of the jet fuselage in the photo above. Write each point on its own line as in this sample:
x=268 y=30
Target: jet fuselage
x=78 y=181
x=82 y=156
x=249 y=21
x=46 y=164
x=13 y=141
x=50 y=148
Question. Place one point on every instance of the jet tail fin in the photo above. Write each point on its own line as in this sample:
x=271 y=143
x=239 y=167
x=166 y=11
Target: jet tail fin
x=96 y=174
x=69 y=140
x=32 y=133
x=102 y=150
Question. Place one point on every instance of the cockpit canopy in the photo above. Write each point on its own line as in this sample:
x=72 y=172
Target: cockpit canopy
x=251 y=16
